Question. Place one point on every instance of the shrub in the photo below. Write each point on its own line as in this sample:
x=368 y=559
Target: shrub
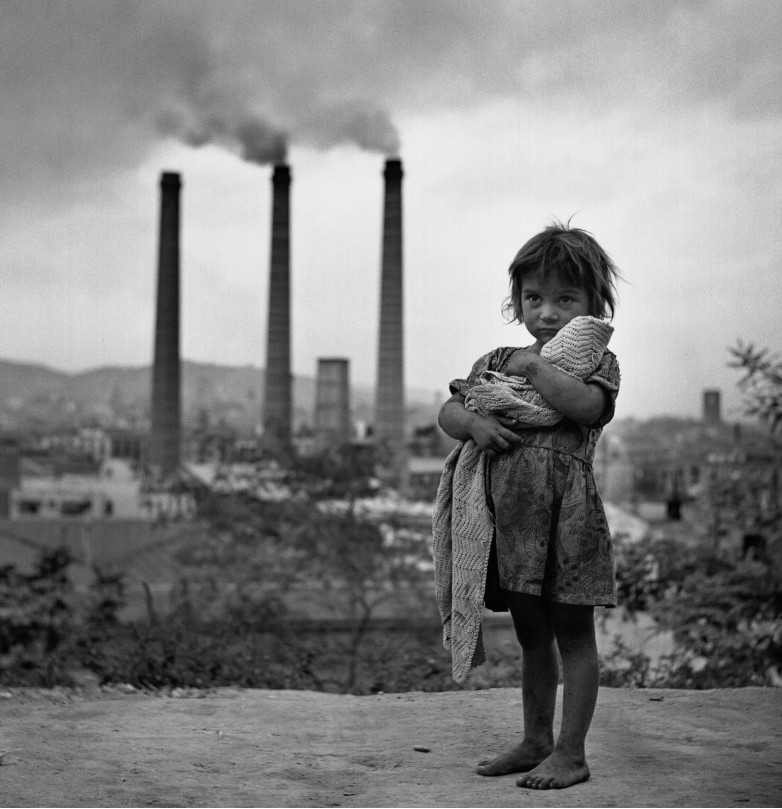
x=725 y=615
x=36 y=620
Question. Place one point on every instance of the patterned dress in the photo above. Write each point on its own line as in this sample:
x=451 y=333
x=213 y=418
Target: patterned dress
x=551 y=536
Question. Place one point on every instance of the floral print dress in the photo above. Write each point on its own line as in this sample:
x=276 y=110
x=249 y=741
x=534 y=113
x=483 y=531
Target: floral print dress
x=551 y=533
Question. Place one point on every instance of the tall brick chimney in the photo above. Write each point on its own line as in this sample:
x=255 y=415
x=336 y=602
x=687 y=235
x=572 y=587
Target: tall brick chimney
x=164 y=447
x=390 y=392
x=332 y=402
x=278 y=399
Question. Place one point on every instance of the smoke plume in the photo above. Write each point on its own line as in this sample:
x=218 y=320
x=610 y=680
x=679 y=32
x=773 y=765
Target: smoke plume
x=90 y=86
x=256 y=140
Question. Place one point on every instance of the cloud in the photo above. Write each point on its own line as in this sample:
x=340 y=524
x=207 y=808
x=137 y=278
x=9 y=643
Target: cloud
x=91 y=85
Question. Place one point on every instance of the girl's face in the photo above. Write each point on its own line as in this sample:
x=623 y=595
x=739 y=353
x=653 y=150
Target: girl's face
x=548 y=304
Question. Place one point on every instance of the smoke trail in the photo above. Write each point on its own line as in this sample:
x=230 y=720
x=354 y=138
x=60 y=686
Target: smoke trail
x=256 y=140
x=90 y=86
x=259 y=141
x=357 y=122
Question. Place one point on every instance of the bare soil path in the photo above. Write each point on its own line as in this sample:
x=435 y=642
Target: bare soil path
x=233 y=747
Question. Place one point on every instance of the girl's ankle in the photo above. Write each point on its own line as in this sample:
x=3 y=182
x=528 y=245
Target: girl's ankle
x=540 y=744
x=573 y=752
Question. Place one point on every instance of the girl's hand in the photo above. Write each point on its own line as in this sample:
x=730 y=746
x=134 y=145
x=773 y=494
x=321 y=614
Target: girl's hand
x=520 y=361
x=491 y=436
x=487 y=432
x=580 y=401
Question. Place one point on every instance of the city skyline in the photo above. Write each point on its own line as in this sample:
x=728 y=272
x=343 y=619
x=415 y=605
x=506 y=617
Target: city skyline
x=656 y=127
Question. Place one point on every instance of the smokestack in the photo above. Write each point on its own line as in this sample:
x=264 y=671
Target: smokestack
x=278 y=401
x=10 y=473
x=390 y=402
x=164 y=450
x=332 y=402
x=711 y=407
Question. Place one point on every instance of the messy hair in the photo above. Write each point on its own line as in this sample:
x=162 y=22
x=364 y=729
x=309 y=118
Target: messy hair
x=576 y=257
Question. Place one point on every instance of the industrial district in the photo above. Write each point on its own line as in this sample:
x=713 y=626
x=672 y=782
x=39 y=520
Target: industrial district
x=117 y=489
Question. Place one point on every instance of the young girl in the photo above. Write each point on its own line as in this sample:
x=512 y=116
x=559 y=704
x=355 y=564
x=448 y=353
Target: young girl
x=527 y=531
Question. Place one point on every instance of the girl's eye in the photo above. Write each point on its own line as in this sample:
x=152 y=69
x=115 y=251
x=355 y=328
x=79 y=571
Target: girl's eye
x=566 y=299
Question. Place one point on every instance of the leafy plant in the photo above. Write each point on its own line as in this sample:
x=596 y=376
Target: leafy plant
x=727 y=625
x=761 y=383
x=36 y=620
x=725 y=615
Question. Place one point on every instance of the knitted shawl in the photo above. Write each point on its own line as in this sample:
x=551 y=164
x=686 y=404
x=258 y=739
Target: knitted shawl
x=461 y=521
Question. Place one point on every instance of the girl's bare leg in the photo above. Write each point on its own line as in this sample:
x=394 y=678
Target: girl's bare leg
x=539 y=679
x=575 y=632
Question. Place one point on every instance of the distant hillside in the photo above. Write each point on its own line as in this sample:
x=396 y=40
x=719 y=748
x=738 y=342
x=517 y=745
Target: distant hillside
x=33 y=394
x=25 y=381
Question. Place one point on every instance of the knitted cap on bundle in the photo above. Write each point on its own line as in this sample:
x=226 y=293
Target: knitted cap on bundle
x=578 y=347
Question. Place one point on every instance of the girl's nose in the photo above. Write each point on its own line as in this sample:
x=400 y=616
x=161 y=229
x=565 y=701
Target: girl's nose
x=549 y=314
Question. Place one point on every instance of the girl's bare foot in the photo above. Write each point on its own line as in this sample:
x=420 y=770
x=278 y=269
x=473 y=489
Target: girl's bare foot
x=556 y=772
x=521 y=758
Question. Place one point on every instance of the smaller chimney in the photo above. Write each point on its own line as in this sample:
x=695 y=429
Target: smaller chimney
x=332 y=402
x=10 y=473
x=711 y=407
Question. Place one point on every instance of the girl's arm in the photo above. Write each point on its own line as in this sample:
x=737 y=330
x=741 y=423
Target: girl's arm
x=579 y=401
x=487 y=432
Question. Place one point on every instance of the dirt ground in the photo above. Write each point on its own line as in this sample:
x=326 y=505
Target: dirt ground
x=235 y=747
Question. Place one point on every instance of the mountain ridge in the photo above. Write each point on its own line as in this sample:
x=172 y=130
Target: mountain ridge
x=226 y=394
